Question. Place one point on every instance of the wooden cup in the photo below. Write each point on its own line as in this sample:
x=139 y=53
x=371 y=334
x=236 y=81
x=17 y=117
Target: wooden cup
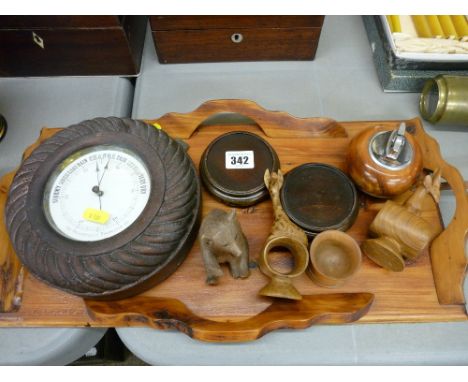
x=334 y=258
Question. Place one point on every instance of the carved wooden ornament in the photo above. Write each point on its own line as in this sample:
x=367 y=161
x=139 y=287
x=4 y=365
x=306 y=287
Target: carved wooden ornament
x=286 y=234
x=402 y=233
x=222 y=241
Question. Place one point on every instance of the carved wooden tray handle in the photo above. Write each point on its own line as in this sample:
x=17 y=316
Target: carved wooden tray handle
x=448 y=249
x=11 y=269
x=12 y=272
x=167 y=314
x=274 y=124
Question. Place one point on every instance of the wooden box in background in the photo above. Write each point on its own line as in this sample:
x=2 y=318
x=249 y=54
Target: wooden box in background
x=71 y=45
x=181 y=39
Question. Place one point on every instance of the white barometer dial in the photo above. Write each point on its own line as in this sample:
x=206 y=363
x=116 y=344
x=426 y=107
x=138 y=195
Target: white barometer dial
x=96 y=193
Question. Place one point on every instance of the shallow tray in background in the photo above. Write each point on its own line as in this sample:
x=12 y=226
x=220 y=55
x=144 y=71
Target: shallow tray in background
x=425 y=291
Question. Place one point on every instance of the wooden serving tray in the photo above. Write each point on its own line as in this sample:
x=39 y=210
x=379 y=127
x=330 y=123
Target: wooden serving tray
x=428 y=290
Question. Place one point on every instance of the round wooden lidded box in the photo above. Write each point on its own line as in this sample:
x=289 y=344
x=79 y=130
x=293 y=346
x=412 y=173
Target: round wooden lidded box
x=233 y=165
x=318 y=197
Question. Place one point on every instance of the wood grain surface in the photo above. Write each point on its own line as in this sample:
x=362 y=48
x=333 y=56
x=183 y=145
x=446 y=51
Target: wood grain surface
x=235 y=38
x=216 y=45
x=233 y=22
x=11 y=269
x=408 y=296
x=273 y=124
x=170 y=314
x=448 y=249
x=377 y=180
x=62 y=21
x=71 y=45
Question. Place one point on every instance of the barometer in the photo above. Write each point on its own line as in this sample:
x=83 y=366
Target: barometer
x=105 y=208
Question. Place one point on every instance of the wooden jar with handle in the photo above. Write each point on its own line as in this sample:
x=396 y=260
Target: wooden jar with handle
x=402 y=233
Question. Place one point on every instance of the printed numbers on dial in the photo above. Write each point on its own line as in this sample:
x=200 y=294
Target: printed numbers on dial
x=236 y=160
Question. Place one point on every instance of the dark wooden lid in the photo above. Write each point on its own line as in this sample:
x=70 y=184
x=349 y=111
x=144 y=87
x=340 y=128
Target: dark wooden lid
x=238 y=187
x=234 y=21
x=319 y=197
x=54 y=22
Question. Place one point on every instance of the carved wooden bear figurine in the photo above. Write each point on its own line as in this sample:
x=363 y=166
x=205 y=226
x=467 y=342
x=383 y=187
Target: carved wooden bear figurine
x=222 y=241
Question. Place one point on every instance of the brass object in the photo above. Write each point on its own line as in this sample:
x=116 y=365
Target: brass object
x=285 y=234
x=319 y=197
x=232 y=168
x=384 y=162
x=444 y=100
x=222 y=241
x=3 y=127
x=402 y=234
x=334 y=258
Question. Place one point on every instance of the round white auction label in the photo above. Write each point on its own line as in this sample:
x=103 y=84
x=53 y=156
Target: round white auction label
x=239 y=160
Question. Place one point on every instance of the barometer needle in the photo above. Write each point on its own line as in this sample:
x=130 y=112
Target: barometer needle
x=105 y=168
x=97 y=172
x=96 y=189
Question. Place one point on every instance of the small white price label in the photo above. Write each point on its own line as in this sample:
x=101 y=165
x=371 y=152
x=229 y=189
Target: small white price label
x=240 y=160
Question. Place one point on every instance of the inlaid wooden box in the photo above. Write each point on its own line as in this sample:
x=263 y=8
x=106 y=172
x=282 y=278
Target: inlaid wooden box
x=71 y=45
x=180 y=39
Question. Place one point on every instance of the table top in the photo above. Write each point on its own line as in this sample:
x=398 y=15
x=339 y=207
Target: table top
x=29 y=104
x=341 y=83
